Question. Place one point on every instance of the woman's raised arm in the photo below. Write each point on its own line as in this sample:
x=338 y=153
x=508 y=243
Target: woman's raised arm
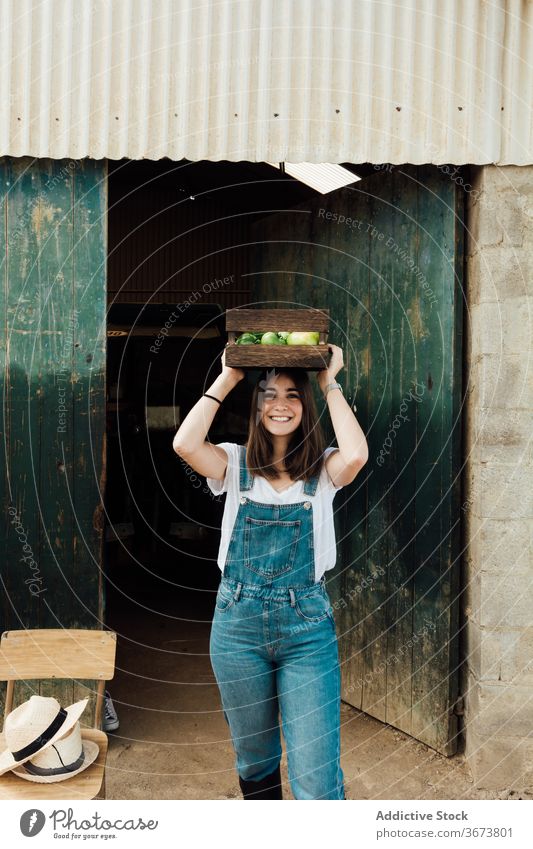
x=342 y=465
x=190 y=439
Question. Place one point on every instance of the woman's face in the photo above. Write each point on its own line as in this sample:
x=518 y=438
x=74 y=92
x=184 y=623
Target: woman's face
x=282 y=406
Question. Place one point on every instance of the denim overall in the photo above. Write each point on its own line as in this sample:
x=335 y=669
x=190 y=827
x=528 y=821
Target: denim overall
x=273 y=647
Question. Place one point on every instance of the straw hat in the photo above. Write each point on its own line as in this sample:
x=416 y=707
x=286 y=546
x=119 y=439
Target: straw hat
x=34 y=726
x=63 y=759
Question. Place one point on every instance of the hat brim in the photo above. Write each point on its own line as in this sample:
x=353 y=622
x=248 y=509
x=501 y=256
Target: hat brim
x=90 y=751
x=7 y=761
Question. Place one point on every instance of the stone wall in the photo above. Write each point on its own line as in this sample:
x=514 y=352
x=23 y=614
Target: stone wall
x=498 y=505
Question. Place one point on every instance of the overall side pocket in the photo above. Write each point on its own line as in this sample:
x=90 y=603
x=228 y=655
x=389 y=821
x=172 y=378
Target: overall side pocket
x=225 y=598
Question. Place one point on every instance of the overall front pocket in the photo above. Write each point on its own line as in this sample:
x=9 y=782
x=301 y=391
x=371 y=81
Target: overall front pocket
x=270 y=546
x=314 y=608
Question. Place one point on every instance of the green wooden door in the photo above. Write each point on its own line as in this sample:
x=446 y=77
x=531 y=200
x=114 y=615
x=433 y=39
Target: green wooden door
x=52 y=344
x=386 y=256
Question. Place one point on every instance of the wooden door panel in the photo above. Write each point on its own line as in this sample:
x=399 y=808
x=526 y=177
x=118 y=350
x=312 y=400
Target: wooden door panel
x=387 y=261
x=52 y=343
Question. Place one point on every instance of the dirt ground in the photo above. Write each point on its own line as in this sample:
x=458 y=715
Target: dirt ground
x=173 y=740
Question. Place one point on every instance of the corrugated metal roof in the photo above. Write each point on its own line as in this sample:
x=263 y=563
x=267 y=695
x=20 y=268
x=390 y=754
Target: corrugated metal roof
x=268 y=80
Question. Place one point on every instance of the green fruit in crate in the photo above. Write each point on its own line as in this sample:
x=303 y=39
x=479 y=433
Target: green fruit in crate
x=303 y=337
x=283 y=336
x=270 y=338
x=246 y=339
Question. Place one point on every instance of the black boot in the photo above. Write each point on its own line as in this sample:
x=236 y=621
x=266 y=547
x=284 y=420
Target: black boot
x=268 y=787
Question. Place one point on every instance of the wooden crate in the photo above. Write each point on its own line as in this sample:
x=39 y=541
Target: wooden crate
x=311 y=357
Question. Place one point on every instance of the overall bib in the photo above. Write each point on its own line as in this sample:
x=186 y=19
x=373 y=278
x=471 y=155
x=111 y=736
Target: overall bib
x=273 y=647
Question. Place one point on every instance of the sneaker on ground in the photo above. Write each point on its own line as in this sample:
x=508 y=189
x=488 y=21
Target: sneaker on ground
x=110 y=722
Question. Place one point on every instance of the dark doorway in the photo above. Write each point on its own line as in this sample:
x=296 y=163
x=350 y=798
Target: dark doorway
x=385 y=255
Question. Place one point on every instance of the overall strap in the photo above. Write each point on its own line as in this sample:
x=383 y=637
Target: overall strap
x=311 y=485
x=245 y=478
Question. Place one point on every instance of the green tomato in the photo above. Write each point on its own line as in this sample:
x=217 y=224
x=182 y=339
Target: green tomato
x=270 y=338
x=303 y=337
x=283 y=335
x=245 y=339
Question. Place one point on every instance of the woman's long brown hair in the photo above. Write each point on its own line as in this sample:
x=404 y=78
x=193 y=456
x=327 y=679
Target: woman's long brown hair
x=304 y=457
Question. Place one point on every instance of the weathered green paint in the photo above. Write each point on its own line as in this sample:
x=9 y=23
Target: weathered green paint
x=403 y=453
x=436 y=582
x=396 y=585
x=53 y=234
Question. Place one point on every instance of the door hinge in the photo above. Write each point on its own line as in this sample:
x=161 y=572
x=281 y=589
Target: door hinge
x=459 y=707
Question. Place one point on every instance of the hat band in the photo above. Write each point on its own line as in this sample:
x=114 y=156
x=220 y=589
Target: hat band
x=55 y=770
x=43 y=738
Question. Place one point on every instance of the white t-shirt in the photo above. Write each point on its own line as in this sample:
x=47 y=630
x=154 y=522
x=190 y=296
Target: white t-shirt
x=323 y=526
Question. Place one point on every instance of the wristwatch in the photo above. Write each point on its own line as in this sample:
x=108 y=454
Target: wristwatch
x=333 y=385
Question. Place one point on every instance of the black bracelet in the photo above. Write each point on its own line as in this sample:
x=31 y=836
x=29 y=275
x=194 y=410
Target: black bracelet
x=212 y=396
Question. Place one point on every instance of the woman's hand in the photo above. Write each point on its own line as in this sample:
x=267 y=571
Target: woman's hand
x=232 y=375
x=327 y=375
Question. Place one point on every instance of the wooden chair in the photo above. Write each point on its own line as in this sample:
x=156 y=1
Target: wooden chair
x=61 y=654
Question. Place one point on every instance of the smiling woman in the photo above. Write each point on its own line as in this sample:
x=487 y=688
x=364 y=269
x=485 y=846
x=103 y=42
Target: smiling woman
x=285 y=439
x=273 y=643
